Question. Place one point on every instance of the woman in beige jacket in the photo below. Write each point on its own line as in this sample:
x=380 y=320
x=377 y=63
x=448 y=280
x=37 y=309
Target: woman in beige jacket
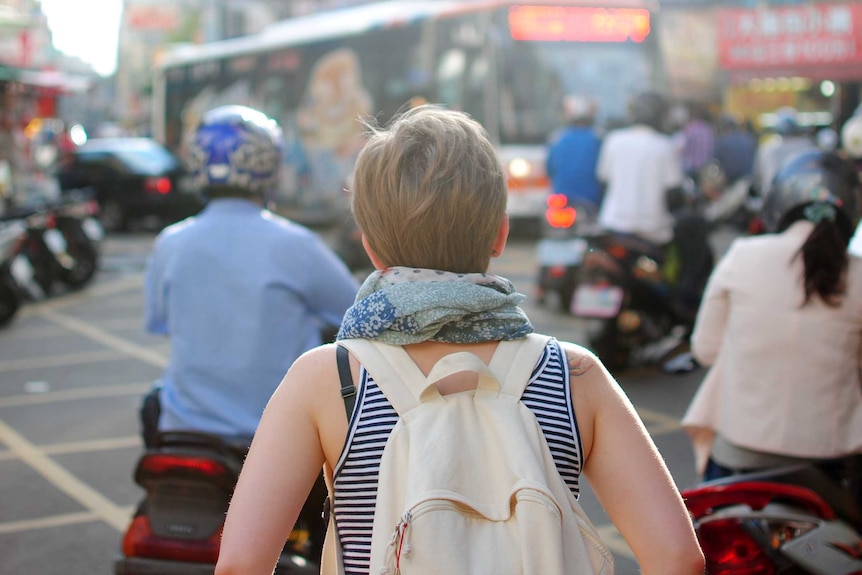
x=781 y=326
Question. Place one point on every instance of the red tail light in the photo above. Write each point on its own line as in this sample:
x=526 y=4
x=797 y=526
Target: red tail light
x=141 y=541
x=755 y=494
x=160 y=463
x=729 y=550
x=158 y=185
x=92 y=208
x=617 y=251
x=559 y=214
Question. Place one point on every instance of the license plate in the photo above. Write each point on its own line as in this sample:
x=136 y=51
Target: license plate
x=55 y=241
x=597 y=301
x=93 y=229
x=561 y=252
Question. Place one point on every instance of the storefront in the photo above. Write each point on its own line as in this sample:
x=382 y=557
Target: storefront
x=807 y=56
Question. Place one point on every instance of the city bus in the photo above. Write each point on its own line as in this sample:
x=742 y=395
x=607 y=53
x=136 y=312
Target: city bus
x=507 y=64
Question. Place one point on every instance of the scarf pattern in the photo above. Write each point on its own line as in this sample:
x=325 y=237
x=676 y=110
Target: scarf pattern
x=403 y=305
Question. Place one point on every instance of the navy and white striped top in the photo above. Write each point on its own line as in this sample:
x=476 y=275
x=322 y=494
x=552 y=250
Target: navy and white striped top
x=548 y=396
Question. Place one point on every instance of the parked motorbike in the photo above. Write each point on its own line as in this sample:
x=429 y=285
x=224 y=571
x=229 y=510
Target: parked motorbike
x=77 y=218
x=60 y=249
x=560 y=251
x=790 y=521
x=189 y=478
x=11 y=297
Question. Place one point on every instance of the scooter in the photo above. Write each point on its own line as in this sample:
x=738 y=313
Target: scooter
x=791 y=521
x=11 y=296
x=77 y=218
x=189 y=478
x=561 y=249
x=60 y=249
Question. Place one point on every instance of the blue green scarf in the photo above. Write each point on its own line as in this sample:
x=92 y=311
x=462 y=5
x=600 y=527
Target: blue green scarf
x=404 y=305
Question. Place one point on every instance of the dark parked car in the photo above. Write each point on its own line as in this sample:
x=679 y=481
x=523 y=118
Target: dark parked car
x=133 y=178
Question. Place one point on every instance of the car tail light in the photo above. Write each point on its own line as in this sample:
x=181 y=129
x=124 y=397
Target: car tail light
x=140 y=541
x=159 y=463
x=559 y=214
x=158 y=185
x=730 y=550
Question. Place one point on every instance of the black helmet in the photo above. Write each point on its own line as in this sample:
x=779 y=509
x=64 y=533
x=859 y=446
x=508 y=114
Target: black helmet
x=812 y=184
x=648 y=108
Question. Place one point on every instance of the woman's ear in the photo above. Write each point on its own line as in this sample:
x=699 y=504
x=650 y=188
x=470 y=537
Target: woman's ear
x=502 y=235
x=371 y=255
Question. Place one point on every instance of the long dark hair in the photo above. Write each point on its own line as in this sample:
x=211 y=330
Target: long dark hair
x=824 y=255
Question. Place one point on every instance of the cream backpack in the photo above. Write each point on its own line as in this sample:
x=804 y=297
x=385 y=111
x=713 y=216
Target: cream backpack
x=467 y=482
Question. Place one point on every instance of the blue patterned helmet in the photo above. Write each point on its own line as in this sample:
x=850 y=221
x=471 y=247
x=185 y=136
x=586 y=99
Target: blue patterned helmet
x=236 y=147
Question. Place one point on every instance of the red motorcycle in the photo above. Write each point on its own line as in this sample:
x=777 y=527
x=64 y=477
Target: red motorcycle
x=788 y=521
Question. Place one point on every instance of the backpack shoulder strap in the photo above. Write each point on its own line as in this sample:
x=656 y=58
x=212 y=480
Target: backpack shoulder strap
x=348 y=390
x=391 y=367
x=513 y=362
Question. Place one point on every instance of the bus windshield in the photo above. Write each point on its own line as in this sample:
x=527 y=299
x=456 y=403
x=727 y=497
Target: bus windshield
x=534 y=77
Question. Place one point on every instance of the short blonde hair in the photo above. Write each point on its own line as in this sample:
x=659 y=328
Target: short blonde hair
x=429 y=191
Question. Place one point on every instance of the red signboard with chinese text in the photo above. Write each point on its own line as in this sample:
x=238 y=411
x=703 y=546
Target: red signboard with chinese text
x=575 y=24
x=790 y=37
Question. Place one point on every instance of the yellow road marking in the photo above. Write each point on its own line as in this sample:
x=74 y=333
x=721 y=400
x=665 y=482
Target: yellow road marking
x=47 y=522
x=105 y=337
x=62 y=359
x=99 y=290
x=112 y=514
x=74 y=394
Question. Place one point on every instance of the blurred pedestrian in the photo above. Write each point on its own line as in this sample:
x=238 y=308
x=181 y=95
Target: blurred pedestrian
x=788 y=139
x=698 y=141
x=573 y=154
x=735 y=149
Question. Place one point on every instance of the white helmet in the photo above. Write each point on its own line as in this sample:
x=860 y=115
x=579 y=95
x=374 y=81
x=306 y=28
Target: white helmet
x=851 y=137
x=578 y=108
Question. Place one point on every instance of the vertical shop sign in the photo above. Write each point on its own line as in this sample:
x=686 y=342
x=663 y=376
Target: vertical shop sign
x=805 y=35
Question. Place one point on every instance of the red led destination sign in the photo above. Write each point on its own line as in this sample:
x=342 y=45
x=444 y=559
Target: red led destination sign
x=576 y=24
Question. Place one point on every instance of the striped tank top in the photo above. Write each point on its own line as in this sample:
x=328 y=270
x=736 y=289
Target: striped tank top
x=548 y=396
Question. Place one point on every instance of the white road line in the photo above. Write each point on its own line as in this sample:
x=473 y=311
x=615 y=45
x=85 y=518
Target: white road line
x=112 y=514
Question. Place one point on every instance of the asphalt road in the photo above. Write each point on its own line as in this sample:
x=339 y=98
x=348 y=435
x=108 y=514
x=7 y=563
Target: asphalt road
x=73 y=369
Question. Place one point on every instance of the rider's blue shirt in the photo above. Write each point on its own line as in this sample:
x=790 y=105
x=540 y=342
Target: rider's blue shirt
x=241 y=293
x=571 y=165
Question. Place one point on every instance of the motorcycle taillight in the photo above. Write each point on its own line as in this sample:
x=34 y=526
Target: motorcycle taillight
x=730 y=550
x=559 y=214
x=161 y=463
x=756 y=495
x=140 y=541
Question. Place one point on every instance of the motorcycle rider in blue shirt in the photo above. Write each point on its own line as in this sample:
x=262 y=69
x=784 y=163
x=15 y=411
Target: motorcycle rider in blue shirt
x=240 y=291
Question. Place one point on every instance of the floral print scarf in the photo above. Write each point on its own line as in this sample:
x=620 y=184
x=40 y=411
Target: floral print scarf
x=403 y=305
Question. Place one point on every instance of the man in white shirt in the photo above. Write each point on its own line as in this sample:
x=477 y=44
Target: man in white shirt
x=640 y=164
